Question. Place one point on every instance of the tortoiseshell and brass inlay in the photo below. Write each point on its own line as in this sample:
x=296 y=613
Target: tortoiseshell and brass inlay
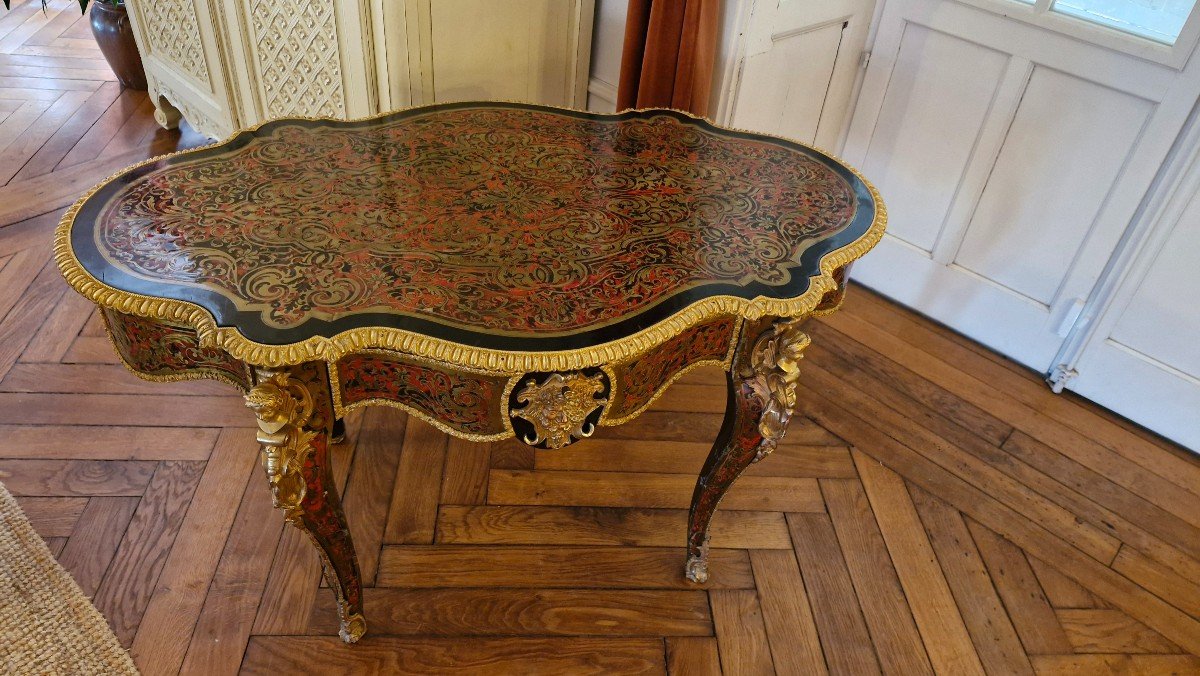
x=501 y=228
x=513 y=221
x=459 y=401
x=497 y=269
x=640 y=379
x=159 y=350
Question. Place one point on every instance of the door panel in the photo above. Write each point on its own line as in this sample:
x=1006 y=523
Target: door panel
x=799 y=66
x=928 y=125
x=1067 y=145
x=1011 y=191
x=1158 y=325
x=1142 y=359
x=778 y=96
x=526 y=52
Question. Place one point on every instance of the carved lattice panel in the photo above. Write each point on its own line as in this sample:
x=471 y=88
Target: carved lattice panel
x=298 y=58
x=173 y=33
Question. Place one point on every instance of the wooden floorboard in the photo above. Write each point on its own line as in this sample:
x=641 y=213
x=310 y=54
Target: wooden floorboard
x=933 y=509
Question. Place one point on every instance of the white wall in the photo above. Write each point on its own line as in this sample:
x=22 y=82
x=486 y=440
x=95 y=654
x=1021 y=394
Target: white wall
x=608 y=34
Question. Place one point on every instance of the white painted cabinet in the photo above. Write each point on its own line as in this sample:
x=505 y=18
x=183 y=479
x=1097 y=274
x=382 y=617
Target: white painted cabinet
x=298 y=58
x=182 y=58
x=224 y=64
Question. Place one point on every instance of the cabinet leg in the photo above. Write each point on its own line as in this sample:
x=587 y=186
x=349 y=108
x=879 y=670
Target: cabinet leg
x=165 y=114
x=295 y=423
x=761 y=398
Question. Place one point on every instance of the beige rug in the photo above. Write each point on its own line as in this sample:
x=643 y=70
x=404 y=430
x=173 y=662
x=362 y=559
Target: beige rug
x=47 y=625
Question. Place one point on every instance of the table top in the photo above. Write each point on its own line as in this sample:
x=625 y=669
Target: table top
x=473 y=229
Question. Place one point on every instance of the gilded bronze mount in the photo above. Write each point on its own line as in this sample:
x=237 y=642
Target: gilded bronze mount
x=765 y=380
x=283 y=407
x=772 y=375
x=559 y=407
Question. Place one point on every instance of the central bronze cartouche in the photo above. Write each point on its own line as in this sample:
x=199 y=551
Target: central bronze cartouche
x=558 y=408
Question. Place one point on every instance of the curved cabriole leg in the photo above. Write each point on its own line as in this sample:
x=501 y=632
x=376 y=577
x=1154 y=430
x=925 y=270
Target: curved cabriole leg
x=295 y=422
x=762 y=396
x=735 y=449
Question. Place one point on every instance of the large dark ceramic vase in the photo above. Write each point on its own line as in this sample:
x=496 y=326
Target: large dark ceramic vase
x=110 y=25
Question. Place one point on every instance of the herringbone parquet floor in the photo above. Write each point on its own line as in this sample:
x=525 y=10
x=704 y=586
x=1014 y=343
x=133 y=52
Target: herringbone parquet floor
x=934 y=508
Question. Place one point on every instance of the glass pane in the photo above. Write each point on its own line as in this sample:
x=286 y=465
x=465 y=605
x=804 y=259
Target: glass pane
x=1158 y=20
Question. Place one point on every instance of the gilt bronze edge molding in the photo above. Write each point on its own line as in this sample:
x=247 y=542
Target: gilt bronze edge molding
x=329 y=349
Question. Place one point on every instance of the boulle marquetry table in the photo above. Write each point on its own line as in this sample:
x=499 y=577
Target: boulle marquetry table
x=494 y=269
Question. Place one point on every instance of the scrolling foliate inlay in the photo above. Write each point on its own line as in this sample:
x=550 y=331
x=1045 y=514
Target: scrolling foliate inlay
x=646 y=210
x=510 y=226
x=772 y=374
x=559 y=407
x=283 y=407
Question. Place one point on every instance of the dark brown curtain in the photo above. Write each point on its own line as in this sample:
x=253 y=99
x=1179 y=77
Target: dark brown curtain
x=670 y=49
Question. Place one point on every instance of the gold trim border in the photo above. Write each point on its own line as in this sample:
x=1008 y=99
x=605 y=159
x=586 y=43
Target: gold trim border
x=436 y=423
x=329 y=349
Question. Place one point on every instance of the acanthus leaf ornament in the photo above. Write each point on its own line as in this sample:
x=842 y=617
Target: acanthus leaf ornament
x=772 y=375
x=558 y=408
x=283 y=407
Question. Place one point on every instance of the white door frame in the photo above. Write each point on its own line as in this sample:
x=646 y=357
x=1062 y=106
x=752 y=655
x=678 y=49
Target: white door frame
x=1098 y=366
x=1176 y=183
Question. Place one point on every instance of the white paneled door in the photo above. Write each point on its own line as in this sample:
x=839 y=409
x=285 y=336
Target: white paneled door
x=1013 y=147
x=799 y=67
x=1141 y=355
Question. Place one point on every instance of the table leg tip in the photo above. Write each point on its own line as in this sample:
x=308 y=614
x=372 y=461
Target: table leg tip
x=697 y=569
x=353 y=628
x=338 y=434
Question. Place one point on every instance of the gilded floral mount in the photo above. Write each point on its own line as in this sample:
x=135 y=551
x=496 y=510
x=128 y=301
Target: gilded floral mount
x=558 y=408
x=291 y=416
x=773 y=372
x=755 y=422
x=283 y=407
